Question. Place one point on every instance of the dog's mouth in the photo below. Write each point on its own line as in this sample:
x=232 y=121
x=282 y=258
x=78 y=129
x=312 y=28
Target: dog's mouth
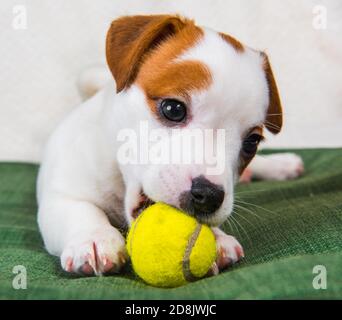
x=144 y=202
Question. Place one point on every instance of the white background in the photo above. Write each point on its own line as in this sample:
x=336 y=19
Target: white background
x=39 y=66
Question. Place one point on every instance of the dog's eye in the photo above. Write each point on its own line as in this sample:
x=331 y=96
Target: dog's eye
x=250 y=144
x=173 y=110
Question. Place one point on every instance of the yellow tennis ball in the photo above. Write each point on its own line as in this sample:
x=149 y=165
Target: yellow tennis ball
x=169 y=248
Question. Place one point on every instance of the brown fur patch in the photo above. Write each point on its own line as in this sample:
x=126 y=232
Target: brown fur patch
x=163 y=76
x=130 y=38
x=237 y=45
x=274 y=118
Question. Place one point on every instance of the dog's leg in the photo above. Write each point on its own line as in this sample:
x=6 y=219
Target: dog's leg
x=229 y=250
x=80 y=233
x=279 y=166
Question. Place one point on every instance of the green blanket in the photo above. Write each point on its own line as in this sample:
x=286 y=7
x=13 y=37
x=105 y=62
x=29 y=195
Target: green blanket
x=286 y=228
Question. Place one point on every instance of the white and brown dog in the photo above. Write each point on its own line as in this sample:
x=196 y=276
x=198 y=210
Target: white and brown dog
x=171 y=74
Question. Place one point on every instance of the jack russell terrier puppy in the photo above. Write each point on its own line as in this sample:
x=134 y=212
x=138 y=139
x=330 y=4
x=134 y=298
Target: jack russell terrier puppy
x=171 y=74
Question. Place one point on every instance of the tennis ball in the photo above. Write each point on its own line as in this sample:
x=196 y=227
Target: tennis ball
x=169 y=248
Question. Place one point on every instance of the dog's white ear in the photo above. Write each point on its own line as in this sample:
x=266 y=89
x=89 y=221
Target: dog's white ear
x=130 y=38
x=274 y=118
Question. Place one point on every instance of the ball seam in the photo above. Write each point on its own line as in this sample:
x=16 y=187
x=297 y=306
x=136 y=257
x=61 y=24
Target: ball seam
x=186 y=258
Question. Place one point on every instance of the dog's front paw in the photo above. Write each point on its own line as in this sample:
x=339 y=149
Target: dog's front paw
x=99 y=252
x=229 y=251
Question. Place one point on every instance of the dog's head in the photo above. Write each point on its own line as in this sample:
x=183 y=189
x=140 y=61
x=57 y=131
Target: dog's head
x=175 y=75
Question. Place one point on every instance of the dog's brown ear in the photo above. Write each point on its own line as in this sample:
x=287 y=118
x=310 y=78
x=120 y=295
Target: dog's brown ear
x=130 y=38
x=274 y=118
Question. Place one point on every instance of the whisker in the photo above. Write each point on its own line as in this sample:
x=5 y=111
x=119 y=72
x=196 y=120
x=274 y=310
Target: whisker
x=254 y=205
x=230 y=226
x=251 y=191
x=243 y=229
x=272 y=125
x=247 y=210
x=234 y=225
x=242 y=217
x=287 y=114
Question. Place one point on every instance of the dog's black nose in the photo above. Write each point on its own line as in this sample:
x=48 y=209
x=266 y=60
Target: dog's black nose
x=203 y=198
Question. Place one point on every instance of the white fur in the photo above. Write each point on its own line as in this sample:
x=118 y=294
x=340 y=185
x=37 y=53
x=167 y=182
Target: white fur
x=83 y=192
x=230 y=250
x=282 y=166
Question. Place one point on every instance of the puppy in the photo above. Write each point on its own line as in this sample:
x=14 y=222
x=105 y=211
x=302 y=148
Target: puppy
x=170 y=74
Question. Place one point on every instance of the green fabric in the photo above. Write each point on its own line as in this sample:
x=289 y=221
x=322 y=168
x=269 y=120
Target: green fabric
x=291 y=227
